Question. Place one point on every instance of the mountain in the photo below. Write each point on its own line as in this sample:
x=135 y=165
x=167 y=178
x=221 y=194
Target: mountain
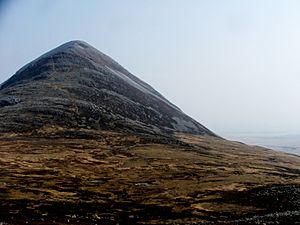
x=77 y=86
x=83 y=141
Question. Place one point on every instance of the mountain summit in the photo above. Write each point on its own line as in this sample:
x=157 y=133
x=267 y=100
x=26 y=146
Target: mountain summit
x=77 y=86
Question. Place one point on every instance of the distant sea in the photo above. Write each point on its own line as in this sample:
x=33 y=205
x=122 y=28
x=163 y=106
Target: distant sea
x=289 y=143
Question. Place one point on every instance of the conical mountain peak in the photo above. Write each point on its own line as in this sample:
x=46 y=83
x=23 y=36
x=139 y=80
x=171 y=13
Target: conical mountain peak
x=75 y=85
x=61 y=56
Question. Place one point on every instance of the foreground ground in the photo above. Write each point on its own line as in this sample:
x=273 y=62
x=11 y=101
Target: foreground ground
x=112 y=178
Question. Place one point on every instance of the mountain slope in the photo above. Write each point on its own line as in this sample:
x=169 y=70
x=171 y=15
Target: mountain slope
x=75 y=85
x=82 y=141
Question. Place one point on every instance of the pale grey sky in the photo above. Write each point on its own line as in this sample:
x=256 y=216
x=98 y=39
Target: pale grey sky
x=232 y=65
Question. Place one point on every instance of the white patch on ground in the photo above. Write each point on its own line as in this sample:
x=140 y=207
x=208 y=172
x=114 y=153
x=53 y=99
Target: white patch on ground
x=183 y=125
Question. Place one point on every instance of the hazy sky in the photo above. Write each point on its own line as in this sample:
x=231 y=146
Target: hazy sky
x=233 y=65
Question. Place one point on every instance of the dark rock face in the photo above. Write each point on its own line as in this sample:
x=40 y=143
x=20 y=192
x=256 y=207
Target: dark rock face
x=75 y=85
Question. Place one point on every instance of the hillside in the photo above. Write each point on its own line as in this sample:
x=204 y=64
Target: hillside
x=83 y=141
x=84 y=177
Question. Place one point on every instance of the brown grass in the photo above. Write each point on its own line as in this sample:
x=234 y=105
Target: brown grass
x=114 y=168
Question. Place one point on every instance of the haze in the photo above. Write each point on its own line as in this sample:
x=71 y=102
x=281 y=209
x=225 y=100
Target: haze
x=231 y=65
